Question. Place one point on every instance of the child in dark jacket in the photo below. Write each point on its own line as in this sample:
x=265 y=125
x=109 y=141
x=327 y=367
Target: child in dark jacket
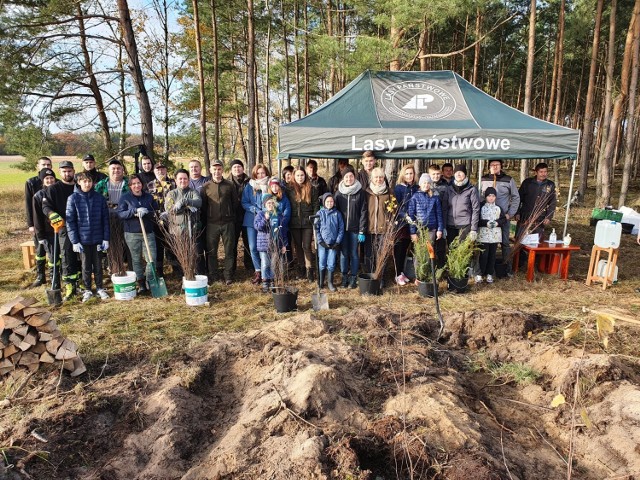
x=271 y=235
x=489 y=234
x=329 y=233
x=425 y=210
x=88 y=229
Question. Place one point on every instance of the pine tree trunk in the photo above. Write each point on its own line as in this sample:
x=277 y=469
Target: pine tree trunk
x=203 y=101
x=528 y=85
x=250 y=86
x=587 y=129
x=215 y=54
x=556 y=114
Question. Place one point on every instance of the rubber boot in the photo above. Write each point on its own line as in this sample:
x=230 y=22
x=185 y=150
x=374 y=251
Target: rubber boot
x=142 y=287
x=321 y=276
x=311 y=274
x=301 y=273
x=353 y=282
x=345 y=281
x=266 y=286
x=332 y=287
x=41 y=279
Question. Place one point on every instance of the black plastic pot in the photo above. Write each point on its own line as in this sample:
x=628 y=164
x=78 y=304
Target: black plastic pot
x=426 y=289
x=368 y=285
x=285 y=299
x=458 y=285
x=502 y=270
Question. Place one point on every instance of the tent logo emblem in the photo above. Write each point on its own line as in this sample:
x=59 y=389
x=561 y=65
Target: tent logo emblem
x=418 y=100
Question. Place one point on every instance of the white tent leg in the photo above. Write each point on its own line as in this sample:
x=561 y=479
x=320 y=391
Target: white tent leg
x=566 y=214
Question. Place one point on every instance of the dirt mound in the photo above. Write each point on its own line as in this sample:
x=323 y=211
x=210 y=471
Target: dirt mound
x=368 y=395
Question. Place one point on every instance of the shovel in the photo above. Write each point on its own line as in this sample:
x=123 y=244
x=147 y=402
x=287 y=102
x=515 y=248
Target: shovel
x=432 y=256
x=319 y=300
x=54 y=295
x=156 y=284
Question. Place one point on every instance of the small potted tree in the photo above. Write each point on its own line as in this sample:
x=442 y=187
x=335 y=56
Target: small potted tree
x=422 y=249
x=285 y=297
x=459 y=258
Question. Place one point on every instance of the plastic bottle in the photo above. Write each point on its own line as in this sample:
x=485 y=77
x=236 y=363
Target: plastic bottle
x=608 y=234
x=567 y=240
x=553 y=237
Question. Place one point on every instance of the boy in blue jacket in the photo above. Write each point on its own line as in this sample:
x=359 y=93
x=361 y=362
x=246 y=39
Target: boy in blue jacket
x=88 y=230
x=329 y=233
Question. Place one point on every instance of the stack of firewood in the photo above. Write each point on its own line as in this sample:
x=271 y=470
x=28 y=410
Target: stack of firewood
x=30 y=337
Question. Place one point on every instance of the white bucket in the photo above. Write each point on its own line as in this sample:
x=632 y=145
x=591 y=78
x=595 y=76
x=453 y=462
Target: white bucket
x=195 y=291
x=124 y=287
x=608 y=234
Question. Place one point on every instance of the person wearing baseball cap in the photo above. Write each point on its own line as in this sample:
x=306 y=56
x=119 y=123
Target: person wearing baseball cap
x=89 y=166
x=31 y=187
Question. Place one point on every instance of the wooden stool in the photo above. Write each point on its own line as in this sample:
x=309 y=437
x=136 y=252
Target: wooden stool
x=28 y=254
x=612 y=259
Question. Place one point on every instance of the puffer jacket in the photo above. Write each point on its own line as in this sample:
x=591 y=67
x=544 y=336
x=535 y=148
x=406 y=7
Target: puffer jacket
x=127 y=207
x=301 y=211
x=464 y=206
x=284 y=207
x=252 y=204
x=270 y=230
x=219 y=203
x=377 y=212
x=330 y=226
x=425 y=210
x=87 y=218
x=354 y=210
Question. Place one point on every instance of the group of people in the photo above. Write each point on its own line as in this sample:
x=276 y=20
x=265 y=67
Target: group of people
x=347 y=216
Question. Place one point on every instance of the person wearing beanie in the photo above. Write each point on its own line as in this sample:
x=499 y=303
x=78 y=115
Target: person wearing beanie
x=240 y=179
x=271 y=238
x=329 y=234
x=31 y=187
x=463 y=209
x=507 y=198
x=425 y=210
x=489 y=235
x=44 y=232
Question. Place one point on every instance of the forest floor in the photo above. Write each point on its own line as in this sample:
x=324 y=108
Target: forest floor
x=364 y=390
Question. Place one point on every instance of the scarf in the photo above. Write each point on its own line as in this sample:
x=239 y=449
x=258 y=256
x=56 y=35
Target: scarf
x=259 y=184
x=378 y=189
x=353 y=189
x=463 y=183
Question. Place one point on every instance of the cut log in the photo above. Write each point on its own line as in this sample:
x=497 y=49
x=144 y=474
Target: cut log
x=39 y=347
x=10 y=350
x=15 y=339
x=54 y=345
x=46 y=357
x=21 y=330
x=21 y=305
x=66 y=354
x=15 y=358
x=68 y=365
x=39 y=319
x=28 y=358
x=70 y=345
x=24 y=346
x=27 y=312
x=44 y=336
x=11 y=322
x=4 y=339
x=5 y=366
x=79 y=367
x=6 y=308
x=48 y=327
x=31 y=338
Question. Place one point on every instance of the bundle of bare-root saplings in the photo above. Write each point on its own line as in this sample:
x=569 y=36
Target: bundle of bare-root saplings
x=30 y=337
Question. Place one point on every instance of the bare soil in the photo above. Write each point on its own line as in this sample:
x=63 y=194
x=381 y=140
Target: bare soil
x=370 y=394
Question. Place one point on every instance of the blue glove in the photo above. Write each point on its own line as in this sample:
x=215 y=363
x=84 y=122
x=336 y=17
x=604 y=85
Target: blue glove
x=361 y=238
x=77 y=247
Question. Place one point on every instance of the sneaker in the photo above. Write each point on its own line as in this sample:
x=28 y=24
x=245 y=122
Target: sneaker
x=86 y=296
x=489 y=279
x=478 y=278
x=401 y=281
x=102 y=293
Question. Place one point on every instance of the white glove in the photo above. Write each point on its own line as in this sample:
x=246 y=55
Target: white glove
x=178 y=205
x=78 y=248
x=42 y=242
x=192 y=209
x=105 y=245
x=473 y=235
x=141 y=212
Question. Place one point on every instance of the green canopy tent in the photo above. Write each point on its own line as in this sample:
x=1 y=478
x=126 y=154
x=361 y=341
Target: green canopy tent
x=425 y=115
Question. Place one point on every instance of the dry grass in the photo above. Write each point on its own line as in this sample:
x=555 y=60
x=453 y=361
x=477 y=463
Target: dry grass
x=156 y=330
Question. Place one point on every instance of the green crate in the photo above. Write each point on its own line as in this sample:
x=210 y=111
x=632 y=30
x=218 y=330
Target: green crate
x=604 y=214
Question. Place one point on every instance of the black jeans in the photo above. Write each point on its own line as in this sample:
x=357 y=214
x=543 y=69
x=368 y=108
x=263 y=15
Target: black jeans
x=488 y=258
x=91 y=264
